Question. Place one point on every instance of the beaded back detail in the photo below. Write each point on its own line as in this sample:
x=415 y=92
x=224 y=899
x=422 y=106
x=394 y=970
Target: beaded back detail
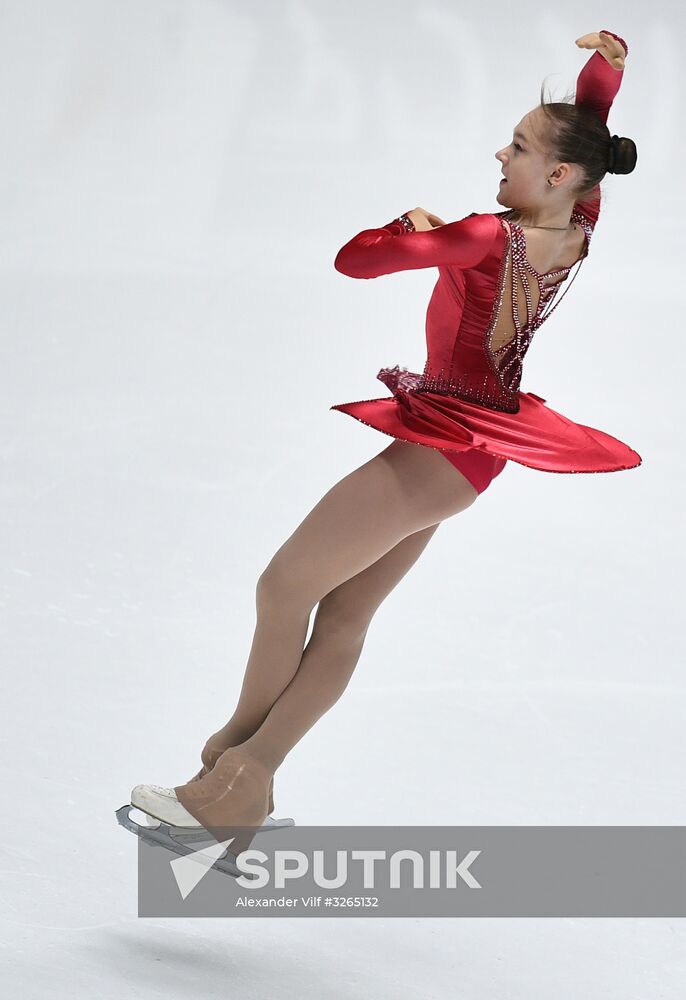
x=494 y=378
x=507 y=356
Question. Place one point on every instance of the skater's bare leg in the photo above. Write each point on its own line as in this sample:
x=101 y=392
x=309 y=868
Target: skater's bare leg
x=347 y=555
x=329 y=660
x=340 y=626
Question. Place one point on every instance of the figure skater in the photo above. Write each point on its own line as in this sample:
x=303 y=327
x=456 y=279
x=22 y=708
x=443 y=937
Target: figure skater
x=455 y=427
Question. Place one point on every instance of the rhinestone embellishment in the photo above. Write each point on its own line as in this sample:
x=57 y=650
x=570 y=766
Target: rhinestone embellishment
x=497 y=389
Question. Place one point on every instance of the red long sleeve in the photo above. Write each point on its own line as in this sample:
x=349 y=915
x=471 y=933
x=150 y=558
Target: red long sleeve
x=391 y=248
x=465 y=243
x=596 y=88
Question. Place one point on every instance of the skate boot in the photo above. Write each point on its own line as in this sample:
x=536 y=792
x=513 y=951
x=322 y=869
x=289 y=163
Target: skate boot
x=209 y=756
x=161 y=805
x=233 y=795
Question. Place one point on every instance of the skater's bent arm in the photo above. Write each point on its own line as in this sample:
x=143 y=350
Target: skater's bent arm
x=596 y=87
x=598 y=82
x=393 y=247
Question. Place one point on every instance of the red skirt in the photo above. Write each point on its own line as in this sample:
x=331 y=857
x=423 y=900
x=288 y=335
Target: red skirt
x=536 y=436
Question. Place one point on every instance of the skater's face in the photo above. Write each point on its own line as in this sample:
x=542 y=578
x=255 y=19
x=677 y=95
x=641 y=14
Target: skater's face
x=527 y=166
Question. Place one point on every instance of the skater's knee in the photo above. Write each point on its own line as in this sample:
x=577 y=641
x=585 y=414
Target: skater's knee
x=279 y=589
x=272 y=586
x=337 y=615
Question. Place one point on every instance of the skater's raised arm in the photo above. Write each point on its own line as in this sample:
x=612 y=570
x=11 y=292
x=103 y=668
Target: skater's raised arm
x=401 y=246
x=596 y=87
x=601 y=77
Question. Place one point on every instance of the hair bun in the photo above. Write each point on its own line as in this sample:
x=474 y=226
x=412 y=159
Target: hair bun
x=622 y=155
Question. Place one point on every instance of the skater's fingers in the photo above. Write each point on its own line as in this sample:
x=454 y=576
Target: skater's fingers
x=612 y=49
x=590 y=41
x=608 y=46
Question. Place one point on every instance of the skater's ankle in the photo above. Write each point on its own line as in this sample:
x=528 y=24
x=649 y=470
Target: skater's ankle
x=254 y=749
x=231 y=735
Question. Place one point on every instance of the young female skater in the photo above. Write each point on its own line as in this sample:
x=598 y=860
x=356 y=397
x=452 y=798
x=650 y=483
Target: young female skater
x=456 y=425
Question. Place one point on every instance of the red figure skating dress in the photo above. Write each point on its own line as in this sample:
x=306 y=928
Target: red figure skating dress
x=467 y=403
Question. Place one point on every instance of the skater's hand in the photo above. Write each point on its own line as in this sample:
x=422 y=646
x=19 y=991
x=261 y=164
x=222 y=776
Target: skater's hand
x=608 y=47
x=424 y=220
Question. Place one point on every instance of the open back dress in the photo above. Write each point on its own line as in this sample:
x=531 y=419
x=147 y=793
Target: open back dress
x=485 y=308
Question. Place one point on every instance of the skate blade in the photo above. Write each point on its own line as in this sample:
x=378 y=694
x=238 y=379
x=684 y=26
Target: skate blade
x=182 y=841
x=185 y=841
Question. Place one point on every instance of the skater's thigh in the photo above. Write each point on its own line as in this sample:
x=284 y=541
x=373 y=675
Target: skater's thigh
x=402 y=490
x=352 y=604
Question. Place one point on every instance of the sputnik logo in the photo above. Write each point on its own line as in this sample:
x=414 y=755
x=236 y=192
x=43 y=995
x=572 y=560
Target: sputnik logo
x=191 y=868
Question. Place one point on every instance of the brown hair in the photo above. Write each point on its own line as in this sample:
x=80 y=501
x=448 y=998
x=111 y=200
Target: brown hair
x=576 y=134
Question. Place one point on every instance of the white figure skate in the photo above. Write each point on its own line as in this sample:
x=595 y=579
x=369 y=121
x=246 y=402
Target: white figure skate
x=166 y=823
x=161 y=805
